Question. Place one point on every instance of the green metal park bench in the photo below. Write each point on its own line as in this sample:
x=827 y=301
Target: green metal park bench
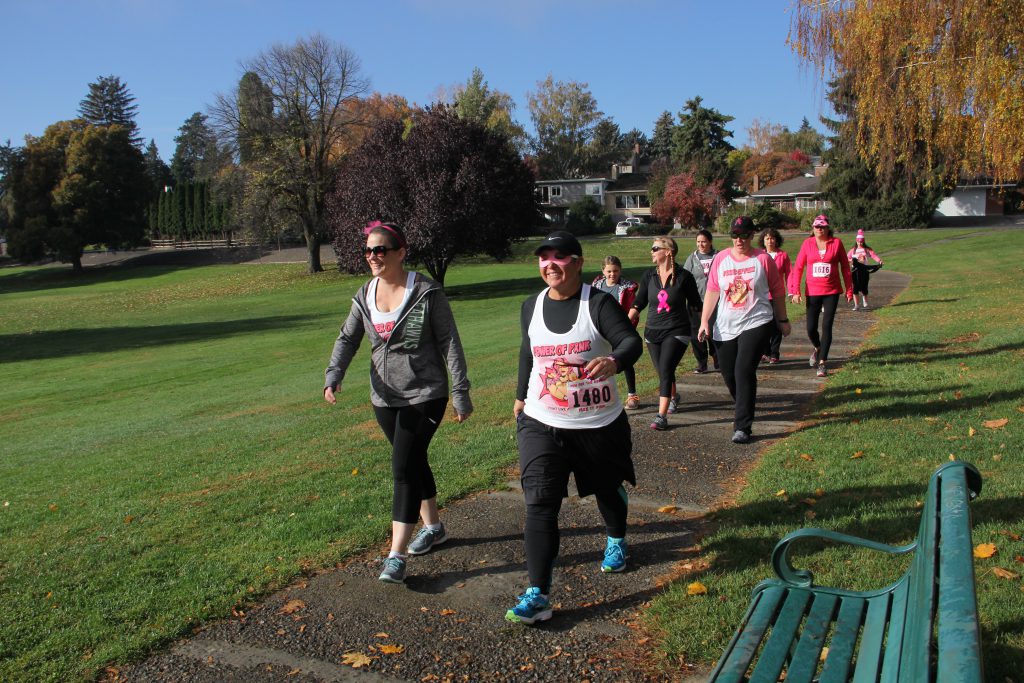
x=923 y=627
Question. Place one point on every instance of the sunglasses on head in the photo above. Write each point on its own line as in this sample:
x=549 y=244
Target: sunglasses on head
x=547 y=258
x=379 y=250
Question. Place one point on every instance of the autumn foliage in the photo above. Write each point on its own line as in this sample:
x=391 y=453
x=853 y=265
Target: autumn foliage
x=689 y=202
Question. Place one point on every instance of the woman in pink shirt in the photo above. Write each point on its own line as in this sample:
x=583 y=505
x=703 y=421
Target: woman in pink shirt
x=859 y=256
x=771 y=241
x=739 y=284
x=824 y=257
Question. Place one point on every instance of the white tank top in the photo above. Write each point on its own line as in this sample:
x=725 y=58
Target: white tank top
x=559 y=393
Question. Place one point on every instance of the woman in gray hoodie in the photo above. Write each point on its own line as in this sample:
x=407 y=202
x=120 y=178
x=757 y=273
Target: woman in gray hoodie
x=414 y=346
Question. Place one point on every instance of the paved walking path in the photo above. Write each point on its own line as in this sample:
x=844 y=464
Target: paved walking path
x=447 y=623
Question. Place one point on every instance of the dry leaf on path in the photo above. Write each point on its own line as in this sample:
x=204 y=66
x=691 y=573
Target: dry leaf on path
x=996 y=424
x=985 y=550
x=381 y=635
x=292 y=606
x=447 y=612
x=391 y=649
x=696 y=588
x=355 y=659
x=668 y=509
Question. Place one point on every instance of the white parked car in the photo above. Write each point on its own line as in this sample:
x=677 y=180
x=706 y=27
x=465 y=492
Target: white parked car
x=622 y=227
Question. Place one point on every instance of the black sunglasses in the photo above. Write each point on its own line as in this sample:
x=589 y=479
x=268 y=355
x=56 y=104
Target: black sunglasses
x=656 y=249
x=743 y=235
x=379 y=250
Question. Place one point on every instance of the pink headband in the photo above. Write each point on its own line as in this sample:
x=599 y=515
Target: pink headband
x=370 y=227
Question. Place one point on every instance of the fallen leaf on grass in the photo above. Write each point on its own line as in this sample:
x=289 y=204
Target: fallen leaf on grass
x=780 y=493
x=1019 y=558
x=292 y=606
x=809 y=501
x=696 y=588
x=996 y=424
x=355 y=659
x=668 y=509
x=985 y=550
x=858 y=391
x=391 y=649
x=1020 y=409
x=807 y=456
x=1005 y=573
x=128 y=519
x=1009 y=534
x=858 y=454
x=819 y=493
x=52 y=507
x=810 y=514
x=355 y=471
x=971 y=431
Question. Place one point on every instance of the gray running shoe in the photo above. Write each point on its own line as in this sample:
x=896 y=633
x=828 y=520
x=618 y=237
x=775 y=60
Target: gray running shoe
x=813 y=360
x=740 y=436
x=394 y=570
x=673 y=405
x=821 y=369
x=427 y=539
x=660 y=422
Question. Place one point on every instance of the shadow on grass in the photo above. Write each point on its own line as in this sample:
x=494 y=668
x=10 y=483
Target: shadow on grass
x=142 y=266
x=73 y=342
x=932 y=352
x=921 y=301
x=496 y=289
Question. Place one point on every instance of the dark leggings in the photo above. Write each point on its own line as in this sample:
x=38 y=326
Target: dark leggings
x=542 y=536
x=410 y=429
x=814 y=305
x=702 y=350
x=738 y=358
x=666 y=355
x=630 y=373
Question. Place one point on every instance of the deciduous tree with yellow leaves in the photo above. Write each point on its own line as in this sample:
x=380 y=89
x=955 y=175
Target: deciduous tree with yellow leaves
x=944 y=74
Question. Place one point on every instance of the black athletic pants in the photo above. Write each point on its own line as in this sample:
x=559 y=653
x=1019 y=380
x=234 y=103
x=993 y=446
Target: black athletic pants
x=600 y=460
x=410 y=429
x=815 y=304
x=702 y=349
x=666 y=355
x=738 y=359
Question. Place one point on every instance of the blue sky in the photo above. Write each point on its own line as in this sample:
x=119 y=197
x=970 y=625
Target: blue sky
x=639 y=57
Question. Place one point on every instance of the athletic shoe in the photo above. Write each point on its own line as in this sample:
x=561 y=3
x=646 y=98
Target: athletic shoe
x=773 y=361
x=673 y=404
x=427 y=539
x=660 y=423
x=740 y=436
x=864 y=303
x=700 y=369
x=764 y=358
x=614 y=557
x=813 y=360
x=533 y=606
x=821 y=369
x=854 y=308
x=632 y=402
x=394 y=570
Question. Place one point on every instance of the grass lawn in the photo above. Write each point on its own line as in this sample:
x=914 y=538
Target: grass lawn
x=945 y=358
x=166 y=455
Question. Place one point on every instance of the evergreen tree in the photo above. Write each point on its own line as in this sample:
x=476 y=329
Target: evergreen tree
x=109 y=102
x=607 y=146
x=661 y=141
x=860 y=198
x=255 y=111
x=699 y=143
x=196 y=154
x=180 y=211
x=156 y=170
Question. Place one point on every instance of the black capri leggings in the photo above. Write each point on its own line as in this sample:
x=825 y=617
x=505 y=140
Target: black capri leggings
x=815 y=304
x=666 y=355
x=410 y=429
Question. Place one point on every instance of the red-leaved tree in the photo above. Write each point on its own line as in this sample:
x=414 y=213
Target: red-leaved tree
x=453 y=186
x=684 y=199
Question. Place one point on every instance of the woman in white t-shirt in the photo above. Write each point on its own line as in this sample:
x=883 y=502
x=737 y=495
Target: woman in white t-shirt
x=747 y=316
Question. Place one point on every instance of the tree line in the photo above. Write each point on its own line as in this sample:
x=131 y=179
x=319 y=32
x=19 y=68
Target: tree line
x=301 y=147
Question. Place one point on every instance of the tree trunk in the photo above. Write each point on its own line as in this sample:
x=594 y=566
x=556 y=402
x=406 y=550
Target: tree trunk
x=76 y=264
x=313 y=262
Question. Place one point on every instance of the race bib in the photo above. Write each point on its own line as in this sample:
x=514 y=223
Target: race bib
x=565 y=390
x=820 y=269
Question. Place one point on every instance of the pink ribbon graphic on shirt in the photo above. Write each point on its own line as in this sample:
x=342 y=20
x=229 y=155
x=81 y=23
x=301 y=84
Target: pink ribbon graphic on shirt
x=663 y=306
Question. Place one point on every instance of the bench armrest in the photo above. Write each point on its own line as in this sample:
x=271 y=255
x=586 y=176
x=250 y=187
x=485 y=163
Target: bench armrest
x=803 y=578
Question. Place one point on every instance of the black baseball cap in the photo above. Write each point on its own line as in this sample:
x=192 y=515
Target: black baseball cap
x=562 y=241
x=742 y=225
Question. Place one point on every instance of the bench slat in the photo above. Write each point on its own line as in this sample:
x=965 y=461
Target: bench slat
x=735 y=662
x=844 y=637
x=776 y=650
x=959 y=637
x=916 y=638
x=869 y=656
x=894 y=634
x=808 y=650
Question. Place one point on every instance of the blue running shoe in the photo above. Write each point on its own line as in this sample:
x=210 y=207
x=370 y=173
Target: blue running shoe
x=533 y=606
x=394 y=570
x=614 y=557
